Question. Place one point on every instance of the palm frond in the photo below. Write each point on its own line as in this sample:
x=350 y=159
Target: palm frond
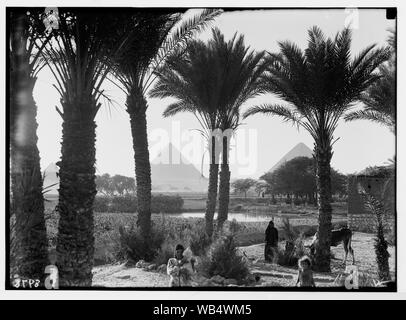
x=178 y=107
x=282 y=111
x=180 y=37
x=370 y=115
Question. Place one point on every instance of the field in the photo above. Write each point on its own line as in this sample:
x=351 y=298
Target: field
x=111 y=272
x=107 y=229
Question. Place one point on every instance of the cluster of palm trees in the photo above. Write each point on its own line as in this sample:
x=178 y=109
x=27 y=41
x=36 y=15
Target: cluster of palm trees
x=153 y=53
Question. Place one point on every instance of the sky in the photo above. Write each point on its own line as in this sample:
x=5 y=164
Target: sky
x=262 y=140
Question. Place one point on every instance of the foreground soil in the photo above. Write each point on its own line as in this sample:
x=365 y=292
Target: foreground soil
x=271 y=275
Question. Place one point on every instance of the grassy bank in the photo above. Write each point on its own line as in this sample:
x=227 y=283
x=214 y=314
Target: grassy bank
x=107 y=237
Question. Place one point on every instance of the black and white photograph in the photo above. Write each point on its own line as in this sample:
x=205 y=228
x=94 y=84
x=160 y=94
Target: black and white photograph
x=201 y=148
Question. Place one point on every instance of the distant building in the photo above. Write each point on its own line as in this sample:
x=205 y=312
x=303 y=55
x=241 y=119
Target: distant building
x=377 y=182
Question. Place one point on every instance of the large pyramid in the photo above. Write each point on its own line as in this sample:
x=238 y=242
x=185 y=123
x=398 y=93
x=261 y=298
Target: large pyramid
x=170 y=171
x=300 y=150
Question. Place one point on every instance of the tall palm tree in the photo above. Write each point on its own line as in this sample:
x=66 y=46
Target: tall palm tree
x=214 y=94
x=135 y=71
x=380 y=99
x=75 y=56
x=191 y=65
x=241 y=80
x=319 y=86
x=27 y=202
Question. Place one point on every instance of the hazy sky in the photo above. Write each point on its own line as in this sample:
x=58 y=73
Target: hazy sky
x=267 y=139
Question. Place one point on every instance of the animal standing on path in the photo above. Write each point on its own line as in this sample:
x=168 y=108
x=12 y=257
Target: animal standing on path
x=343 y=235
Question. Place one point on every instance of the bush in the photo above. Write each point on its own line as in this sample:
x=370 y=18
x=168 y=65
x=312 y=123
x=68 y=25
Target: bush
x=289 y=256
x=167 y=204
x=101 y=204
x=294 y=247
x=297 y=202
x=224 y=259
x=133 y=247
x=164 y=253
x=126 y=204
x=199 y=240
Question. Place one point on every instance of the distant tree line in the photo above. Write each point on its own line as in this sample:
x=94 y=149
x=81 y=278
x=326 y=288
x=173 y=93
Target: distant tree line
x=115 y=185
x=294 y=179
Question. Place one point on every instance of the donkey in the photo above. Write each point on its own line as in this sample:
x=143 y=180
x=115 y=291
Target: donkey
x=343 y=235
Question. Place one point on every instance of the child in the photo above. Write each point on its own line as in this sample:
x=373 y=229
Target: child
x=181 y=267
x=305 y=276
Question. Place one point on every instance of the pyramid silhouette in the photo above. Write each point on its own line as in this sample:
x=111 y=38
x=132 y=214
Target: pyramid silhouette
x=300 y=150
x=170 y=171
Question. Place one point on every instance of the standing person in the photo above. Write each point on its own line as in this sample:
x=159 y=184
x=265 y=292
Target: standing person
x=271 y=241
x=305 y=276
x=180 y=268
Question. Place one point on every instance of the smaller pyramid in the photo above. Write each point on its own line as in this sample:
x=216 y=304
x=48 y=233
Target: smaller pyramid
x=300 y=150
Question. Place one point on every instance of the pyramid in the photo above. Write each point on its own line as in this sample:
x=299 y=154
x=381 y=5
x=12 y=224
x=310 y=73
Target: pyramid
x=300 y=150
x=170 y=171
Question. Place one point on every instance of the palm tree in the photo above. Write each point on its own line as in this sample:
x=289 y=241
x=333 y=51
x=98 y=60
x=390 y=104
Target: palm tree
x=27 y=202
x=135 y=71
x=75 y=55
x=214 y=94
x=241 y=81
x=380 y=98
x=186 y=88
x=320 y=85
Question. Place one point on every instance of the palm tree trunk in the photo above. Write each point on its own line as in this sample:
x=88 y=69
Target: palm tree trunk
x=212 y=192
x=28 y=243
x=77 y=190
x=224 y=189
x=136 y=107
x=27 y=202
x=323 y=156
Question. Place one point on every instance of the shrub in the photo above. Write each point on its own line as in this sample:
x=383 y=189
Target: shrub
x=294 y=247
x=165 y=252
x=101 y=204
x=289 y=256
x=224 y=259
x=168 y=204
x=133 y=247
x=126 y=204
x=297 y=202
x=199 y=240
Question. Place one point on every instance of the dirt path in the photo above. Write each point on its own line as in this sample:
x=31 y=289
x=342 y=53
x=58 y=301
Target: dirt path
x=121 y=276
x=271 y=274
